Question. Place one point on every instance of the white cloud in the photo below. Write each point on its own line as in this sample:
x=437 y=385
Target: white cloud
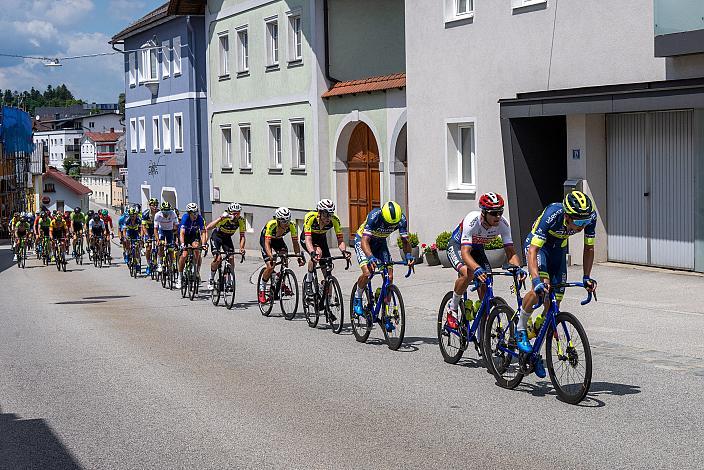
x=125 y=9
x=62 y=12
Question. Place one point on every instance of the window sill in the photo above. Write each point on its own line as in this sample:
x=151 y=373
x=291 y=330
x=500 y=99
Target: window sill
x=179 y=150
x=246 y=171
x=298 y=171
x=226 y=170
x=243 y=73
x=272 y=68
x=157 y=151
x=466 y=17
x=143 y=151
x=164 y=77
x=177 y=74
x=520 y=5
x=276 y=171
x=223 y=77
x=167 y=150
x=295 y=63
x=461 y=190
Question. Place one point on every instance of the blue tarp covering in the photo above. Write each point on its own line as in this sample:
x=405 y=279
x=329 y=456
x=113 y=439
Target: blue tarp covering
x=15 y=130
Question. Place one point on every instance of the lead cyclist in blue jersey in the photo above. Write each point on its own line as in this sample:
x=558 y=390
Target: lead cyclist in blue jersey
x=546 y=250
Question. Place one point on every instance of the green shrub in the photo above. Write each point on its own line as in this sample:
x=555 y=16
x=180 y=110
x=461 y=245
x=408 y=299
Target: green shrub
x=412 y=238
x=443 y=240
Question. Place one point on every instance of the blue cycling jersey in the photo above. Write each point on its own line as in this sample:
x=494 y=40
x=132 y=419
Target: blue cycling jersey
x=190 y=226
x=375 y=226
x=122 y=221
x=551 y=230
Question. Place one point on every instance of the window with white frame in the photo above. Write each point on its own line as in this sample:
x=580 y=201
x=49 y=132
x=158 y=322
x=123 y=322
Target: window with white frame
x=272 y=42
x=155 y=133
x=295 y=37
x=464 y=7
x=149 y=63
x=178 y=132
x=275 y=146
x=224 y=52
x=165 y=59
x=166 y=128
x=226 y=147
x=142 y=134
x=245 y=147
x=461 y=156
x=132 y=67
x=298 y=145
x=176 y=56
x=458 y=10
x=518 y=4
x=242 y=50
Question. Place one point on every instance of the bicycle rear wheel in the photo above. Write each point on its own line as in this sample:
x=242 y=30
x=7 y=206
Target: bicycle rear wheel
x=217 y=287
x=569 y=358
x=266 y=306
x=229 y=286
x=310 y=303
x=185 y=281
x=499 y=346
x=453 y=343
x=334 y=305
x=393 y=318
x=288 y=294
x=194 y=285
x=361 y=324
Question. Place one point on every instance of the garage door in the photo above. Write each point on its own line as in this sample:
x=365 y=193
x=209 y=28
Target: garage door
x=651 y=188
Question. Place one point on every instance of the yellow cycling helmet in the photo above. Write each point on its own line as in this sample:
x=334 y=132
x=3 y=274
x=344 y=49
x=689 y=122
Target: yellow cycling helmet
x=391 y=212
x=578 y=205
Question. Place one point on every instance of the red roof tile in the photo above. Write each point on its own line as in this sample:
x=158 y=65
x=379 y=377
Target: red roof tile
x=384 y=82
x=67 y=181
x=103 y=136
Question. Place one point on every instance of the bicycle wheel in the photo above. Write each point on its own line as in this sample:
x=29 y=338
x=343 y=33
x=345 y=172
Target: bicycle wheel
x=19 y=257
x=288 y=294
x=310 y=303
x=569 y=358
x=185 y=281
x=499 y=346
x=57 y=258
x=265 y=307
x=194 y=285
x=361 y=324
x=393 y=318
x=217 y=287
x=229 y=286
x=63 y=262
x=334 y=305
x=164 y=274
x=453 y=343
x=23 y=257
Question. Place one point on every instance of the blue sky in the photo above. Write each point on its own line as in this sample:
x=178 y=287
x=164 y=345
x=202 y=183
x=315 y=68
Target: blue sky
x=60 y=28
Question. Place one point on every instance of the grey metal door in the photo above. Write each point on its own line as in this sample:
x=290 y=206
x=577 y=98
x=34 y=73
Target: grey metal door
x=651 y=188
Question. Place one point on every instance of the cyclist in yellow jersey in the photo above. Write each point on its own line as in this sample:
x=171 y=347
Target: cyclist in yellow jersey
x=272 y=240
x=224 y=227
x=57 y=231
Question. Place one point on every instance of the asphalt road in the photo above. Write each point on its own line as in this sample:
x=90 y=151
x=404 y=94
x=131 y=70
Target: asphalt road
x=98 y=370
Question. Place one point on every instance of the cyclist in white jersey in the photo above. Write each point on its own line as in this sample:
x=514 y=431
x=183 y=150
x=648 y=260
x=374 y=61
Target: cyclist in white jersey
x=165 y=222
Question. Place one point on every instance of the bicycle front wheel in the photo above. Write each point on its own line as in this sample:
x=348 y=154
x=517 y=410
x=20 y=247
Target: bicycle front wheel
x=452 y=342
x=334 y=305
x=229 y=286
x=195 y=284
x=185 y=281
x=266 y=306
x=569 y=358
x=361 y=324
x=310 y=303
x=393 y=318
x=288 y=294
x=500 y=348
x=217 y=288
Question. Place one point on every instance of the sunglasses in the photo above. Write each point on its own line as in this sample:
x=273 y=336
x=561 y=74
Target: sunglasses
x=581 y=222
x=494 y=213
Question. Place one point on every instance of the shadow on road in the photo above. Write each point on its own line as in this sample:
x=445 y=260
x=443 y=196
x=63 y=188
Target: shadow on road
x=80 y=302
x=106 y=297
x=31 y=443
x=6 y=258
x=597 y=389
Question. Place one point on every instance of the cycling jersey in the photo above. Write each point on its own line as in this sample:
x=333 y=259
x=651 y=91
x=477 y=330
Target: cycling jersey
x=122 y=221
x=229 y=225
x=107 y=220
x=271 y=229
x=133 y=222
x=77 y=218
x=96 y=227
x=148 y=221
x=311 y=225
x=14 y=221
x=191 y=226
x=56 y=225
x=22 y=227
x=43 y=222
x=165 y=220
x=551 y=230
x=473 y=232
x=376 y=227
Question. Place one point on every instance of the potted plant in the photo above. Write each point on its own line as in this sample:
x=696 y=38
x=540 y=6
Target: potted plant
x=415 y=249
x=495 y=253
x=430 y=253
x=442 y=242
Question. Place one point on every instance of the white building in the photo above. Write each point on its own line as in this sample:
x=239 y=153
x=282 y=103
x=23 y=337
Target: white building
x=61 y=143
x=103 y=122
x=62 y=193
x=97 y=147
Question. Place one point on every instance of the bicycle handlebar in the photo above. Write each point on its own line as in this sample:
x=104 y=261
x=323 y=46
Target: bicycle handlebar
x=585 y=301
x=228 y=253
x=333 y=258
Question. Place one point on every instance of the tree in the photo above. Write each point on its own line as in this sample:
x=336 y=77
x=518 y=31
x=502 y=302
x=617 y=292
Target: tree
x=121 y=103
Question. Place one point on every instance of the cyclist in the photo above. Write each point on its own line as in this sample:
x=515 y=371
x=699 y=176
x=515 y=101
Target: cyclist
x=96 y=229
x=224 y=227
x=77 y=222
x=133 y=225
x=105 y=217
x=148 y=230
x=546 y=255
x=371 y=247
x=57 y=231
x=165 y=223
x=314 y=240
x=20 y=230
x=42 y=224
x=16 y=217
x=466 y=248
x=191 y=233
x=271 y=240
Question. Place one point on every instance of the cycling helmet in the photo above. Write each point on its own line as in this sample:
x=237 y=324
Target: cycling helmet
x=153 y=202
x=391 y=212
x=326 y=205
x=491 y=202
x=234 y=207
x=96 y=217
x=77 y=210
x=282 y=213
x=192 y=207
x=165 y=206
x=104 y=212
x=133 y=211
x=59 y=216
x=577 y=205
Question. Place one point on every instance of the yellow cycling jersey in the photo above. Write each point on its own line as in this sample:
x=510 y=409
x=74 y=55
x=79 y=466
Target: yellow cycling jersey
x=311 y=225
x=271 y=229
x=229 y=226
x=55 y=225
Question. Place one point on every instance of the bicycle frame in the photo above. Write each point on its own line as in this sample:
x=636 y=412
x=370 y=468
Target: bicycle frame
x=384 y=271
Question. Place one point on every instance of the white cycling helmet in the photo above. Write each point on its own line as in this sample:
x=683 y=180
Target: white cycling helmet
x=326 y=205
x=282 y=213
x=234 y=207
x=192 y=207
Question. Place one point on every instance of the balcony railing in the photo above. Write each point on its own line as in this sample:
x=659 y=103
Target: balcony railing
x=73 y=148
x=679 y=27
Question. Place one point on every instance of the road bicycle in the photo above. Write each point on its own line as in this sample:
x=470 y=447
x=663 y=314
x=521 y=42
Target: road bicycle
x=567 y=352
x=454 y=342
x=190 y=283
x=134 y=257
x=98 y=251
x=169 y=269
x=325 y=296
x=225 y=283
x=153 y=258
x=386 y=301
x=60 y=255
x=46 y=250
x=281 y=286
x=78 y=248
x=21 y=252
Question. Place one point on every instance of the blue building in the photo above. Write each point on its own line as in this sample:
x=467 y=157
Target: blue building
x=165 y=108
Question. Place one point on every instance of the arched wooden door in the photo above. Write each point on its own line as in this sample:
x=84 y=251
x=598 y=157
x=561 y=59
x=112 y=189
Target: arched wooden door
x=363 y=180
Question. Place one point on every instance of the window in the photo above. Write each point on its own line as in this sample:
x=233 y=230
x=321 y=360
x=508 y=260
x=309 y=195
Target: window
x=165 y=59
x=272 y=42
x=461 y=156
x=298 y=145
x=456 y=10
x=226 y=148
x=224 y=41
x=142 y=134
x=166 y=128
x=178 y=131
x=91 y=124
x=132 y=66
x=245 y=147
x=177 y=56
x=295 y=37
x=149 y=64
x=242 y=50
x=517 y=4
x=463 y=7
x=275 y=146
x=155 y=133
x=465 y=156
